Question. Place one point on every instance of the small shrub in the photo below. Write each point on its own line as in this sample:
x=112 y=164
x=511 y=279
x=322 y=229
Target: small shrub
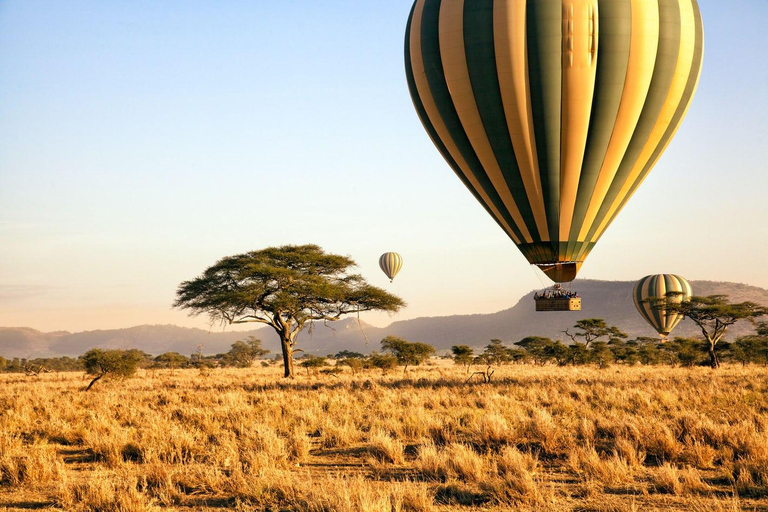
x=384 y=448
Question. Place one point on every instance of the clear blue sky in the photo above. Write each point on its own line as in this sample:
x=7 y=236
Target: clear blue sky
x=140 y=141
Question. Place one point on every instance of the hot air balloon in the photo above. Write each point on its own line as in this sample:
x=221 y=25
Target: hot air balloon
x=553 y=112
x=391 y=263
x=658 y=286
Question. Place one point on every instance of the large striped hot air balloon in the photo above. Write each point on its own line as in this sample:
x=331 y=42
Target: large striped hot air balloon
x=553 y=112
x=391 y=263
x=660 y=285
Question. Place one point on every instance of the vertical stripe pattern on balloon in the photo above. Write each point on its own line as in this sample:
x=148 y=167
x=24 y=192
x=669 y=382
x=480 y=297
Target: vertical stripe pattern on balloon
x=391 y=263
x=553 y=112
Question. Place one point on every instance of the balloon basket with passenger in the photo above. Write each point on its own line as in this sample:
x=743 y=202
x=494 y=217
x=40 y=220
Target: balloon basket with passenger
x=558 y=297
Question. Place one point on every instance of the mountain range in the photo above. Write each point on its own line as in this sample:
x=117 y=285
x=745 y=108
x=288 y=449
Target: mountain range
x=610 y=300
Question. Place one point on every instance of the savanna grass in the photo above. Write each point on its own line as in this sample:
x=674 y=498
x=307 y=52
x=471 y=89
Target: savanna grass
x=536 y=438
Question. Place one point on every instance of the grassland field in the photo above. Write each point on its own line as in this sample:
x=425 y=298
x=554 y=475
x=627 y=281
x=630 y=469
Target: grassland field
x=534 y=438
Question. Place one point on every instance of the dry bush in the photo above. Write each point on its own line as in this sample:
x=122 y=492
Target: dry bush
x=751 y=476
x=339 y=435
x=660 y=444
x=157 y=480
x=455 y=461
x=586 y=432
x=518 y=482
x=29 y=466
x=609 y=470
x=385 y=448
x=630 y=452
x=492 y=431
x=542 y=431
x=511 y=462
x=348 y=495
x=103 y=494
x=298 y=445
x=666 y=479
x=699 y=455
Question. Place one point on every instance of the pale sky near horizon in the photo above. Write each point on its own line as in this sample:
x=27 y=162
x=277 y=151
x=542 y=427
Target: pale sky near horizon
x=141 y=141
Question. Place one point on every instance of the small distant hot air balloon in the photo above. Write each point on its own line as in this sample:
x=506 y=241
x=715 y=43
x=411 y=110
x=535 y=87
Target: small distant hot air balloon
x=391 y=263
x=660 y=285
x=553 y=112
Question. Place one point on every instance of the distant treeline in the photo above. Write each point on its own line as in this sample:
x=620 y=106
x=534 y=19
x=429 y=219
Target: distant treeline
x=685 y=352
x=242 y=354
x=646 y=351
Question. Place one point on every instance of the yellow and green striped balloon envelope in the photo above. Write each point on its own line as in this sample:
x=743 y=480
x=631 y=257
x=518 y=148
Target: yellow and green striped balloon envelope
x=553 y=112
x=660 y=285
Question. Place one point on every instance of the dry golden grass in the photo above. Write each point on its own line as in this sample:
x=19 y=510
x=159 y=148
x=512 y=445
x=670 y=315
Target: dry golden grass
x=537 y=438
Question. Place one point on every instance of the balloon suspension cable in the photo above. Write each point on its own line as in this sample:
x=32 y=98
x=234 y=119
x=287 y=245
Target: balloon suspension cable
x=534 y=269
x=360 y=324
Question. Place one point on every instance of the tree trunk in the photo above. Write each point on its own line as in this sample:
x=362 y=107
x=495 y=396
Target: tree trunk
x=713 y=357
x=94 y=381
x=287 y=345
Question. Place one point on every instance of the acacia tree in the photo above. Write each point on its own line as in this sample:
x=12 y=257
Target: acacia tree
x=541 y=349
x=496 y=353
x=463 y=355
x=592 y=329
x=752 y=348
x=117 y=363
x=286 y=288
x=407 y=352
x=171 y=360
x=243 y=353
x=383 y=362
x=713 y=314
x=313 y=363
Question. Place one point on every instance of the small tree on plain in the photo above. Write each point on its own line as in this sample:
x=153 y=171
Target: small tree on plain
x=592 y=329
x=649 y=351
x=601 y=354
x=752 y=348
x=747 y=350
x=286 y=288
x=313 y=363
x=356 y=364
x=496 y=353
x=540 y=349
x=687 y=352
x=625 y=352
x=407 y=352
x=243 y=353
x=346 y=354
x=713 y=314
x=578 y=353
x=113 y=363
x=384 y=362
x=171 y=360
x=463 y=355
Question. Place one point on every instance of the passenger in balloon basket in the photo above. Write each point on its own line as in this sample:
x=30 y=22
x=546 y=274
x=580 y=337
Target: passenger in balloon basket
x=556 y=292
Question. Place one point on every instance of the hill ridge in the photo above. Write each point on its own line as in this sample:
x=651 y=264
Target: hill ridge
x=611 y=300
